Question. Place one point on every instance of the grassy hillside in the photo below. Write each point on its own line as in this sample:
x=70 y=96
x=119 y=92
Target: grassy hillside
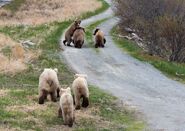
x=19 y=92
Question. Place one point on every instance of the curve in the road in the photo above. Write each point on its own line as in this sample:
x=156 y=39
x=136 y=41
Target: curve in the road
x=159 y=98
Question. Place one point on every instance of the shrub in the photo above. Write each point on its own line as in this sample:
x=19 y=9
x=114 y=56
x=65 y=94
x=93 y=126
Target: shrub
x=161 y=23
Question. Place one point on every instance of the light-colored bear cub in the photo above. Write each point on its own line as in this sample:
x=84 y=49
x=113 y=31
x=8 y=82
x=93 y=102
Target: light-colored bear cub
x=80 y=90
x=48 y=84
x=66 y=109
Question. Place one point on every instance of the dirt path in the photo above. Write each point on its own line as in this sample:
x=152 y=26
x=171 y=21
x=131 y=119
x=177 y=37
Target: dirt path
x=159 y=98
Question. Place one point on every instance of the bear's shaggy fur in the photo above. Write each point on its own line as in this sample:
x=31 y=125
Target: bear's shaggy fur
x=66 y=109
x=99 y=38
x=80 y=90
x=48 y=84
x=70 y=31
x=78 y=37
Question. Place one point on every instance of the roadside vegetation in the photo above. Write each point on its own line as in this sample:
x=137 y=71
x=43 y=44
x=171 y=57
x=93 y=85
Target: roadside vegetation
x=161 y=26
x=160 y=23
x=172 y=69
x=19 y=91
x=15 y=5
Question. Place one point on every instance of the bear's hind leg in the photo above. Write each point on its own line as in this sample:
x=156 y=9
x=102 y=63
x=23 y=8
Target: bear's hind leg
x=60 y=113
x=73 y=99
x=58 y=92
x=69 y=42
x=70 y=122
x=77 y=102
x=104 y=40
x=64 y=42
x=80 y=46
x=85 y=102
x=53 y=96
x=96 y=45
x=43 y=96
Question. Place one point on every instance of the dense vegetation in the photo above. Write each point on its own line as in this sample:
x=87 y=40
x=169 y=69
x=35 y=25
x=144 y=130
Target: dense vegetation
x=161 y=23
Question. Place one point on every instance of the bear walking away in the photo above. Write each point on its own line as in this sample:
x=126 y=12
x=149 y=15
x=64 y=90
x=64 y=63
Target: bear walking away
x=78 y=37
x=99 y=38
x=70 y=31
x=66 y=109
x=48 y=84
x=80 y=90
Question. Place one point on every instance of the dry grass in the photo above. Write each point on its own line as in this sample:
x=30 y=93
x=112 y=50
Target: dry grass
x=27 y=108
x=43 y=11
x=7 y=129
x=13 y=56
x=3 y=93
x=4 y=40
x=80 y=116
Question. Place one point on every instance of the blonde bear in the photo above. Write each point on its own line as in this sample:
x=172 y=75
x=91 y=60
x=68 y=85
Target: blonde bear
x=78 y=37
x=70 y=31
x=99 y=38
x=66 y=109
x=80 y=90
x=48 y=84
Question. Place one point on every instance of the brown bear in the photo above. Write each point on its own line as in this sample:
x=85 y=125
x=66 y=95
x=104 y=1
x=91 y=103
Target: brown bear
x=66 y=109
x=70 y=31
x=99 y=38
x=80 y=90
x=48 y=84
x=78 y=37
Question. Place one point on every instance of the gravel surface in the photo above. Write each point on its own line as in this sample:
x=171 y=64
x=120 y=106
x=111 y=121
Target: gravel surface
x=160 y=99
x=4 y=2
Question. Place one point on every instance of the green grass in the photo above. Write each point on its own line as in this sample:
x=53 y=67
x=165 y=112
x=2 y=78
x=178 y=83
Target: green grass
x=6 y=51
x=104 y=7
x=14 y=5
x=109 y=110
x=19 y=108
x=170 y=69
x=16 y=103
x=48 y=58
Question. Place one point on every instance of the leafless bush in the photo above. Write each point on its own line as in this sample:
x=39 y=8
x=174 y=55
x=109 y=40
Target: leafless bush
x=161 y=23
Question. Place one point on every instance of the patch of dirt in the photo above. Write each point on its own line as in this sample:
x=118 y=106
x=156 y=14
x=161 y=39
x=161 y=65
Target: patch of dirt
x=60 y=128
x=92 y=114
x=7 y=129
x=13 y=56
x=3 y=93
x=37 y=12
x=27 y=108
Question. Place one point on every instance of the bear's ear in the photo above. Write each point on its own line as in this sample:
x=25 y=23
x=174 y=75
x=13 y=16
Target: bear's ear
x=76 y=76
x=56 y=70
x=96 y=31
x=80 y=75
x=62 y=91
x=68 y=90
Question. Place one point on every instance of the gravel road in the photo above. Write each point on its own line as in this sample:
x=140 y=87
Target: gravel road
x=4 y=2
x=160 y=99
